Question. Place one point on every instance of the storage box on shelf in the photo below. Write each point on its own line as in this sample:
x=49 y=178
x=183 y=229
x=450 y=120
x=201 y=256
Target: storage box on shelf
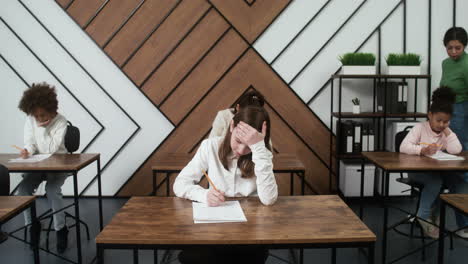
x=350 y=179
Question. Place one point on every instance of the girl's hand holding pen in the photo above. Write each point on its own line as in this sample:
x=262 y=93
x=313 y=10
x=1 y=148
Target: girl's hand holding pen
x=23 y=152
x=214 y=197
x=429 y=150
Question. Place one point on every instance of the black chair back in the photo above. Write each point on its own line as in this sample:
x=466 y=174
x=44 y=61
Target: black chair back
x=72 y=138
x=400 y=136
x=4 y=181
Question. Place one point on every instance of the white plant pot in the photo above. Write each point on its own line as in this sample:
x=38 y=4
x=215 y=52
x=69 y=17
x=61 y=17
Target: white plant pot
x=404 y=70
x=356 y=109
x=361 y=70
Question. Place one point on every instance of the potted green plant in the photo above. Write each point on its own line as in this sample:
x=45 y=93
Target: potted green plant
x=356 y=106
x=403 y=64
x=358 y=63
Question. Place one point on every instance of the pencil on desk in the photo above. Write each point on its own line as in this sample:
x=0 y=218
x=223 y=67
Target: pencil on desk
x=16 y=147
x=209 y=180
x=430 y=144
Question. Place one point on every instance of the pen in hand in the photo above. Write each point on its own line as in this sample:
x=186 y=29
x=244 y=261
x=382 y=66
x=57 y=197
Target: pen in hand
x=214 y=196
x=23 y=152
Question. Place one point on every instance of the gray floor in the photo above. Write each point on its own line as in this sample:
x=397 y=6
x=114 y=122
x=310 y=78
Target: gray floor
x=14 y=251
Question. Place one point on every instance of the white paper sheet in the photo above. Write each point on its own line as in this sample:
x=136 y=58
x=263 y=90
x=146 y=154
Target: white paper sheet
x=230 y=211
x=31 y=159
x=440 y=155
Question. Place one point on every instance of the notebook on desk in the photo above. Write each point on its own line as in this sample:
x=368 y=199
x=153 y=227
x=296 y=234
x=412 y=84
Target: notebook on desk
x=31 y=159
x=230 y=211
x=440 y=155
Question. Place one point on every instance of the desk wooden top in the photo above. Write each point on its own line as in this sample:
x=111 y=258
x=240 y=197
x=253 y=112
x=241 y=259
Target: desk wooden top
x=291 y=220
x=459 y=201
x=177 y=161
x=394 y=161
x=12 y=205
x=56 y=162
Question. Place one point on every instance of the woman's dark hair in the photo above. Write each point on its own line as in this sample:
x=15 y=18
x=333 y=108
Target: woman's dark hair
x=254 y=116
x=456 y=33
x=253 y=98
x=39 y=95
x=443 y=99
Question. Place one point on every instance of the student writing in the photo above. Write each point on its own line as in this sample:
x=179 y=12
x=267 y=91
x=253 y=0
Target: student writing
x=44 y=133
x=440 y=137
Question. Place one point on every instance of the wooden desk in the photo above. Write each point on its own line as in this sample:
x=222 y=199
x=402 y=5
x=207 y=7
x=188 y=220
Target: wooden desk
x=10 y=206
x=66 y=163
x=174 y=162
x=399 y=162
x=458 y=202
x=292 y=222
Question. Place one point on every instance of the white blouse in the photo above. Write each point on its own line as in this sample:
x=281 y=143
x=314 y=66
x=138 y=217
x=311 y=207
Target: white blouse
x=45 y=140
x=263 y=184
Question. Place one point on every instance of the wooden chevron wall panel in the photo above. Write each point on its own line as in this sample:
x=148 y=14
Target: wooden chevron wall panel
x=192 y=58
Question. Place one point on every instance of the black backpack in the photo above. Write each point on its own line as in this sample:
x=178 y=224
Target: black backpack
x=72 y=138
x=400 y=136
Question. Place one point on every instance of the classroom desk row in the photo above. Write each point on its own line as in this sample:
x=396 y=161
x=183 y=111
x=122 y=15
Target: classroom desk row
x=309 y=208
x=398 y=162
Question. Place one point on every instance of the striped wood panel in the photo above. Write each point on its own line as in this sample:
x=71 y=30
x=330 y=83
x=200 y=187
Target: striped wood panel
x=109 y=19
x=145 y=21
x=192 y=58
x=204 y=36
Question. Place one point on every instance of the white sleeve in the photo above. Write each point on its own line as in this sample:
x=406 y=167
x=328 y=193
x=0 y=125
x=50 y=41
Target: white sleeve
x=186 y=184
x=29 y=140
x=56 y=135
x=218 y=126
x=267 y=188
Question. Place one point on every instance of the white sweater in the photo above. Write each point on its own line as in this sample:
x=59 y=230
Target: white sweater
x=263 y=184
x=45 y=140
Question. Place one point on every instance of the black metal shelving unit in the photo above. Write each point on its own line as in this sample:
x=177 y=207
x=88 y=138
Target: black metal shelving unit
x=379 y=118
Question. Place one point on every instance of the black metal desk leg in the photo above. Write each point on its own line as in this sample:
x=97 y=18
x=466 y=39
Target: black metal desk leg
x=302 y=174
x=371 y=257
x=443 y=208
x=77 y=215
x=155 y=254
x=167 y=184
x=101 y=222
x=135 y=256
x=385 y=224
x=100 y=255
x=154 y=184
x=35 y=223
x=291 y=191
x=301 y=255
x=333 y=256
x=361 y=193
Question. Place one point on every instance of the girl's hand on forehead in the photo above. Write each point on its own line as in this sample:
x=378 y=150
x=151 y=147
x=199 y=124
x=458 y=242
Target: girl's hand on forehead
x=250 y=135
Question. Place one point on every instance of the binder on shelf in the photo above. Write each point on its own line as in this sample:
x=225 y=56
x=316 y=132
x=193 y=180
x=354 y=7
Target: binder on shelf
x=393 y=99
x=345 y=136
x=365 y=137
x=402 y=98
x=357 y=137
x=371 y=137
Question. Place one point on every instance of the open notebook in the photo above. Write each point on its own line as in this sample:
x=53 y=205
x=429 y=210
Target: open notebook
x=230 y=211
x=440 y=155
x=32 y=158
